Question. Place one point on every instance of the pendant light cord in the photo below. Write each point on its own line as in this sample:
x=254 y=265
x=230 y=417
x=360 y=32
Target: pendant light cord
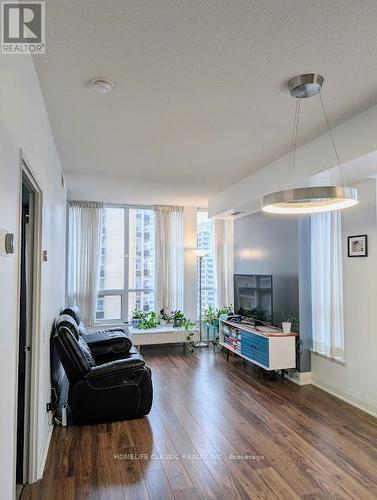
x=292 y=154
x=332 y=140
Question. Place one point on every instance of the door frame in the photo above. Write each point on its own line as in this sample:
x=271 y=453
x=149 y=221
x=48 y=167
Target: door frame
x=25 y=173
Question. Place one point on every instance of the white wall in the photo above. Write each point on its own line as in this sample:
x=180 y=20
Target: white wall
x=117 y=189
x=24 y=124
x=356 y=382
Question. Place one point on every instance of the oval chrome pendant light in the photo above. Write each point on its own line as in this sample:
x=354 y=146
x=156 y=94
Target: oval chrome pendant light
x=311 y=199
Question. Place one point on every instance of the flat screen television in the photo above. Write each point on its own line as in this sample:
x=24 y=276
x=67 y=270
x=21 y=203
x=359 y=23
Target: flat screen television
x=253 y=296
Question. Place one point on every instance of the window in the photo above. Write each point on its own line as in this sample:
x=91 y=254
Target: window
x=327 y=285
x=127 y=267
x=204 y=235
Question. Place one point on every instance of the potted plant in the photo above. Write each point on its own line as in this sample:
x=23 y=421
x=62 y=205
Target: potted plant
x=211 y=318
x=165 y=318
x=137 y=317
x=286 y=325
x=178 y=319
x=289 y=324
x=225 y=311
x=149 y=321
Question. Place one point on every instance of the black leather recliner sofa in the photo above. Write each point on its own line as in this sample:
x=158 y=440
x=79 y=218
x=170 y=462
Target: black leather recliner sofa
x=105 y=344
x=118 y=389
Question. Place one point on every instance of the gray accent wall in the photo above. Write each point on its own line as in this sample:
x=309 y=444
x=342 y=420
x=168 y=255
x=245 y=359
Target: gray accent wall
x=279 y=245
x=267 y=244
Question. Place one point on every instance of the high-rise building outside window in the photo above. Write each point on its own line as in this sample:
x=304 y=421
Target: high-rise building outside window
x=127 y=267
x=204 y=238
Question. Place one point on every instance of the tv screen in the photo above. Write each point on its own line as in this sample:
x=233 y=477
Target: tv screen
x=253 y=296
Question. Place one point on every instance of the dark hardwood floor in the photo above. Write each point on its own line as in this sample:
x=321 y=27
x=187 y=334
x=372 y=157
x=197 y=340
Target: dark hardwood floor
x=217 y=430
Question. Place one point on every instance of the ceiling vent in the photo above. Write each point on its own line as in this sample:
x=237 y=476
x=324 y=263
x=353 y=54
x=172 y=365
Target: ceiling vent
x=237 y=212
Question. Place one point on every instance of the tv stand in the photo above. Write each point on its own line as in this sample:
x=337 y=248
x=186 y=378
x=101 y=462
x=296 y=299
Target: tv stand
x=268 y=348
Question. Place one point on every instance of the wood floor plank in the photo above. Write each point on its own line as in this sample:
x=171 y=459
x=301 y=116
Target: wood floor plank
x=217 y=430
x=158 y=485
x=301 y=457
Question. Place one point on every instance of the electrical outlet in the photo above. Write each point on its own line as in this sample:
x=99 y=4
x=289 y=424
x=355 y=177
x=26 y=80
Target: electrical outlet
x=48 y=407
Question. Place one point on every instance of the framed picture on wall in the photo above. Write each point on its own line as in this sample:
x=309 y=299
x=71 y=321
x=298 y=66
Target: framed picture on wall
x=358 y=246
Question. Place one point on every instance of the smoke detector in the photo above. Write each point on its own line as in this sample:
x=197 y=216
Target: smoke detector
x=102 y=85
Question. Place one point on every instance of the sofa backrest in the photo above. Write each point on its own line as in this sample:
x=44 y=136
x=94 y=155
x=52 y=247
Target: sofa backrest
x=73 y=311
x=73 y=351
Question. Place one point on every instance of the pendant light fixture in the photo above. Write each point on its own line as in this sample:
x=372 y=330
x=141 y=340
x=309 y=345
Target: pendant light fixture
x=311 y=199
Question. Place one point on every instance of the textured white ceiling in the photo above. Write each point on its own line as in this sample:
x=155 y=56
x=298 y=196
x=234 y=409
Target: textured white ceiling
x=199 y=97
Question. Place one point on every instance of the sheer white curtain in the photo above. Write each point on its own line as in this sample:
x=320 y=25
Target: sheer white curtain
x=327 y=284
x=224 y=261
x=169 y=257
x=84 y=248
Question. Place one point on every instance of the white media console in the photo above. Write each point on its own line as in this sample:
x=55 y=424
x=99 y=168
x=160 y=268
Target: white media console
x=269 y=348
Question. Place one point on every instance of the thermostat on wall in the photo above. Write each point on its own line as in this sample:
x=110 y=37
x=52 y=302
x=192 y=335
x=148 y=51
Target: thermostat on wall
x=6 y=242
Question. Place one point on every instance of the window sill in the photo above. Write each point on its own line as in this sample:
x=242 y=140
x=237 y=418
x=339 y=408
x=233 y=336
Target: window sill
x=334 y=360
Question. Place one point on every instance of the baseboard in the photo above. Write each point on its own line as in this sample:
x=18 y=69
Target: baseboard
x=44 y=452
x=300 y=378
x=367 y=405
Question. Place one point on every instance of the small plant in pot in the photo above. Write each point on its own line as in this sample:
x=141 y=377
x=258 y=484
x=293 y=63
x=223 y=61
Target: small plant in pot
x=178 y=319
x=165 y=317
x=137 y=317
x=211 y=318
x=286 y=326
x=289 y=325
x=149 y=321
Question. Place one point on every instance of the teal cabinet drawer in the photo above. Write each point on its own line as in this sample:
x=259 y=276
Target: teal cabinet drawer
x=247 y=351
x=257 y=339
x=255 y=347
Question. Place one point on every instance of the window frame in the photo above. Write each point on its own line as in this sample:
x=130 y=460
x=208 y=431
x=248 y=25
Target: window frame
x=123 y=292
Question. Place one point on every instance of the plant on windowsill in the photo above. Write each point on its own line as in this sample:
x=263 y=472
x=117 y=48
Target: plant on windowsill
x=178 y=319
x=137 y=317
x=149 y=321
x=165 y=318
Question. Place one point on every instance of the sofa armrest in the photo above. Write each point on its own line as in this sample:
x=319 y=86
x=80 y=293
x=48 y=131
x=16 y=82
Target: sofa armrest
x=119 y=330
x=103 y=337
x=114 y=367
x=108 y=344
